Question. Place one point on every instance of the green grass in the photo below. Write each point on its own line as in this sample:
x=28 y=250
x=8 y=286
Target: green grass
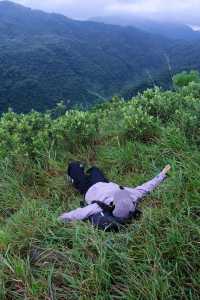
x=156 y=257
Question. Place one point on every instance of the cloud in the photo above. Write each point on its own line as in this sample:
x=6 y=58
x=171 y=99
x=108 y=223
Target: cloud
x=81 y=9
x=177 y=10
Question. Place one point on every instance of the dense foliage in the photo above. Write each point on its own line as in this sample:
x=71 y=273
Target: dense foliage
x=46 y=58
x=156 y=257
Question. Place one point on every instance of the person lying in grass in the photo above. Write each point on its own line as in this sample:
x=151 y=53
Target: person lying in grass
x=107 y=205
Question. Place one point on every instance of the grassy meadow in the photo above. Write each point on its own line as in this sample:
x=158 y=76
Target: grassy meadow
x=156 y=257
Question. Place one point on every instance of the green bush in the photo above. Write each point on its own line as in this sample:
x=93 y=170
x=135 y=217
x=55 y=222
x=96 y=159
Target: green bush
x=185 y=78
x=138 y=124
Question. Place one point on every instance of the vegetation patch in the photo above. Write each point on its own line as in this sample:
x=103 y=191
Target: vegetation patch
x=156 y=257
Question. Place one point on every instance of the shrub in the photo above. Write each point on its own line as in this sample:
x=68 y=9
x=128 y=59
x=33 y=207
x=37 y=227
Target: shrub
x=138 y=124
x=185 y=78
x=75 y=128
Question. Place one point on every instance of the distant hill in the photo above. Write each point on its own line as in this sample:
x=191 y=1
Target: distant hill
x=174 y=31
x=45 y=58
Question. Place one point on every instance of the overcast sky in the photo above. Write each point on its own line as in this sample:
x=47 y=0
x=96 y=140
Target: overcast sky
x=187 y=11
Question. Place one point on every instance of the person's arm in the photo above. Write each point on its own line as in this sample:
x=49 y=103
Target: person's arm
x=80 y=213
x=144 y=189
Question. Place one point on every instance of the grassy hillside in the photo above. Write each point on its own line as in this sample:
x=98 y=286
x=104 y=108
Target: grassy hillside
x=156 y=257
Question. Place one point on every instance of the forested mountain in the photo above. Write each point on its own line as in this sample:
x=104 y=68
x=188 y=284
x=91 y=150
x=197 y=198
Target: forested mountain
x=45 y=58
x=176 y=31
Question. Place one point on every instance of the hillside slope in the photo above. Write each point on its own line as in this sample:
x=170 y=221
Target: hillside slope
x=46 y=58
x=156 y=257
x=170 y=30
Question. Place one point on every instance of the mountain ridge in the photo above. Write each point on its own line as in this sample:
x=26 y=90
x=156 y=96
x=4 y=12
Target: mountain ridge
x=46 y=58
x=171 y=30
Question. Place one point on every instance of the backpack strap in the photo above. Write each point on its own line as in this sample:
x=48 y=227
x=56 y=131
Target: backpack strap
x=105 y=207
x=136 y=214
x=82 y=204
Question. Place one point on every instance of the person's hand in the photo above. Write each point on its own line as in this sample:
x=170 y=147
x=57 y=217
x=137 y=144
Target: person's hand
x=63 y=218
x=166 y=169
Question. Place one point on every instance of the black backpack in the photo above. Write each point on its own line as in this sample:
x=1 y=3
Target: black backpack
x=105 y=219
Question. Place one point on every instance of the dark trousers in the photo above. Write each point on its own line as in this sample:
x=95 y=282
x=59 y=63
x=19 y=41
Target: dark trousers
x=83 y=181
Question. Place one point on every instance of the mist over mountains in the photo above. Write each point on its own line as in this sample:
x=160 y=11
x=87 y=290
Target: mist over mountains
x=46 y=58
x=171 y=30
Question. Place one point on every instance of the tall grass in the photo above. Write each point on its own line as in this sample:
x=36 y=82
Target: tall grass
x=156 y=257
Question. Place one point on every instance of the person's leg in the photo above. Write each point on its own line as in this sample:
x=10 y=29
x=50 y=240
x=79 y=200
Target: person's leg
x=95 y=175
x=81 y=181
x=78 y=176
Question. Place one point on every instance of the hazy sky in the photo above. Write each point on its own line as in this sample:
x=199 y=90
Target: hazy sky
x=187 y=11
